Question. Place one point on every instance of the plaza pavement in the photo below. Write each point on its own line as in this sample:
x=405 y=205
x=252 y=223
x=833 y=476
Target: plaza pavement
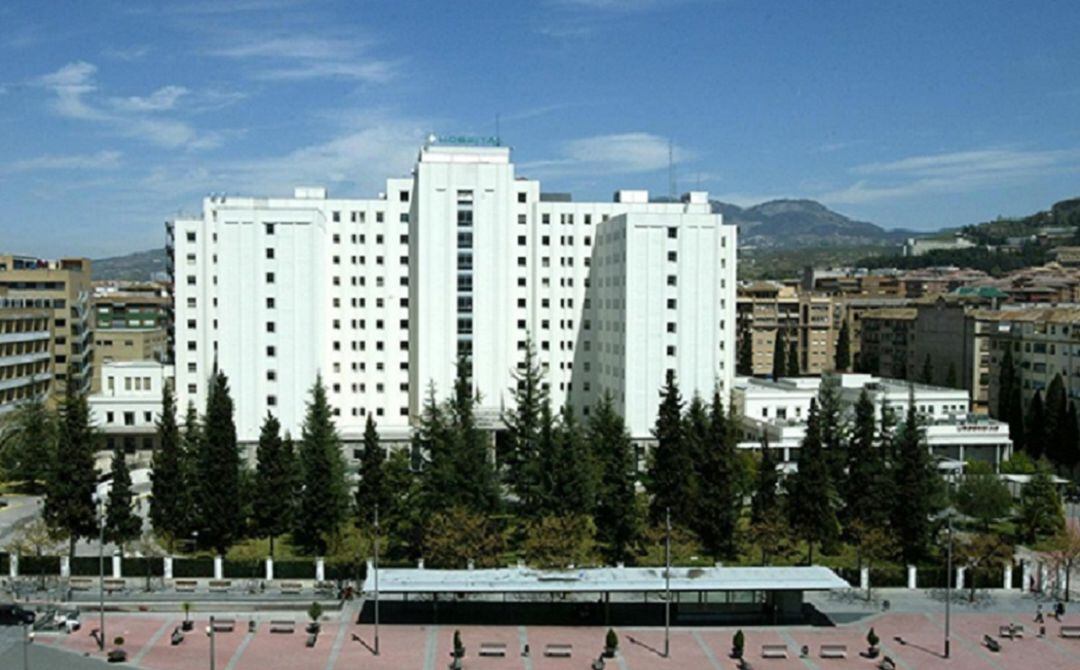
x=911 y=633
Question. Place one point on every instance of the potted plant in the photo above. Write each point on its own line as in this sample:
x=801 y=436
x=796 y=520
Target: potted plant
x=611 y=643
x=738 y=644
x=314 y=613
x=872 y=640
x=187 y=625
x=117 y=655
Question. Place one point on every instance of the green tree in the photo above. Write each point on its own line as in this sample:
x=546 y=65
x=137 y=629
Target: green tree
x=1006 y=381
x=719 y=499
x=980 y=552
x=220 y=517
x=792 y=368
x=274 y=483
x=919 y=484
x=570 y=473
x=1035 y=421
x=69 y=495
x=458 y=535
x=982 y=496
x=1070 y=437
x=745 y=365
x=523 y=472
x=865 y=490
x=765 y=500
x=927 y=374
x=810 y=496
x=1056 y=426
x=831 y=427
x=561 y=541
x=372 y=489
x=324 y=500
x=671 y=468
x=187 y=521
x=842 y=358
x=122 y=524
x=779 y=364
x=29 y=441
x=1041 y=513
x=951 y=378
x=618 y=523
x=1018 y=464
x=167 y=485
x=477 y=485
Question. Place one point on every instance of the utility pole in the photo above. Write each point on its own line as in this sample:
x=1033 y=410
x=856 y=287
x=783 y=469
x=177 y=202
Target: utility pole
x=101 y=570
x=667 y=582
x=948 y=584
x=375 y=567
x=210 y=632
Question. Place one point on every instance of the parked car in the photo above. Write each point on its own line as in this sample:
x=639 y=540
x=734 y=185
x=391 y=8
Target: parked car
x=14 y=615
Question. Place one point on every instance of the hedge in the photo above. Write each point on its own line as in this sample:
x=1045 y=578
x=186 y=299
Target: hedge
x=188 y=568
x=39 y=565
x=294 y=569
x=888 y=575
x=343 y=570
x=5 y=564
x=245 y=569
x=932 y=577
x=88 y=566
x=142 y=567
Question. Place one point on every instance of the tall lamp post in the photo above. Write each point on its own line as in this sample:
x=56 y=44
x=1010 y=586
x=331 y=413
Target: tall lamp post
x=101 y=568
x=667 y=582
x=375 y=568
x=210 y=634
x=28 y=637
x=948 y=514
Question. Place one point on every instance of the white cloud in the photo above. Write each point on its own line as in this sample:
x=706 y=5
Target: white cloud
x=613 y=154
x=102 y=160
x=295 y=56
x=74 y=86
x=955 y=172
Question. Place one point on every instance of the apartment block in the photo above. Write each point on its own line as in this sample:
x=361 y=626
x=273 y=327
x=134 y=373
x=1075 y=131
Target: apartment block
x=26 y=368
x=1045 y=342
x=462 y=259
x=768 y=309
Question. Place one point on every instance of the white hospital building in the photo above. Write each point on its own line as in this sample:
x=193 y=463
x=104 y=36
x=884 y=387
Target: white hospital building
x=380 y=295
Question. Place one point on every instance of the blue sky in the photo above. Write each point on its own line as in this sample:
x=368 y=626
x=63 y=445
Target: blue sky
x=114 y=116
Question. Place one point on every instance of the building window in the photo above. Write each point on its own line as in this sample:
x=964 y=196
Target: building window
x=269 y=254
x=271 y=400
x=522 y=197
x=271 y=351
x=269 y=228
x=270 y=326
x=269 y=277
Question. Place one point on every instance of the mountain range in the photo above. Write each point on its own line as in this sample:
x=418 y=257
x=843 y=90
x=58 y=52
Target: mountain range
x=788 y=224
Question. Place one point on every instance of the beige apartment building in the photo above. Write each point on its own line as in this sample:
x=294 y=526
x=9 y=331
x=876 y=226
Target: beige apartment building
x=131 y=323
x=25 y=350
x=1044 y=342
x=65 y=284
x=769 y=309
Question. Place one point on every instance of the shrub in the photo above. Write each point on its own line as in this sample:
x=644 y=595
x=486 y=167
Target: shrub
x=872 y=639
x=612 y=641
x=315 y=611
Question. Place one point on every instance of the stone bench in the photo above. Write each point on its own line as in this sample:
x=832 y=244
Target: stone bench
x=1069 y=631
x=1011 y=631
x=114 y=584
x=492 y=649
x=81 y=583
x=291 y=588
x=224 y=625
x=185 y=585
x=774 y=651
x=559 y=650
x=834 y=651
x=282 y=626
x=220 y=585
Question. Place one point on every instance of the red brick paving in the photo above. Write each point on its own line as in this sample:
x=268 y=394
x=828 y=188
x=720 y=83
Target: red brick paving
x=399 y=647
x=194 y=651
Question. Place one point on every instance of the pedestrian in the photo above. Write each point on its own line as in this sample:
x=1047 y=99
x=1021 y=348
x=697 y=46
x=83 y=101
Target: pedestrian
x=1038 y=613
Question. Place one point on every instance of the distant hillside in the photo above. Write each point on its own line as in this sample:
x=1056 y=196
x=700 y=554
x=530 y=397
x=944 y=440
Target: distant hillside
x=1063 y=214
x=801 y=223
x=139 y=266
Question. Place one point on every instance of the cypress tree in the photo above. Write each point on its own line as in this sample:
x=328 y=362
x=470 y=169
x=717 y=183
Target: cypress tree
x=274 y=482
x=842 y=358
x=324 y=500
x=523 y=428
x=69 y=495
x=765 y=501
x=1056 y=411
x=917 y=487
x=1035 y=436
x=121 y=524
x=779 y=366
x=187 y=520
x=617 y=523
x=745 y=364
x=927 y=374
x=220 y=515
x=671 y=470
x=1070 y=453
x=951 y=379
x=719 y=501
x=831 y=427
x=810 y=503
x=167 y=484
x=1006 y=381
x=372 y=489
x=478 y=488
x=864 y=487
x=793 y=369
x=1017 y=432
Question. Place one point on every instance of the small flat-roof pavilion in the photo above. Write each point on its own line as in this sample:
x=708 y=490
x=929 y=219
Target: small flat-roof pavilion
x=600 y=596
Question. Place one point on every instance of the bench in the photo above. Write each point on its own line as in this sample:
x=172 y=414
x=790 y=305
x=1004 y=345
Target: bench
x=115 y=585
x=887 y=664
x=81 y=583
x=311 y=638
x=282 y=626
x=559 y=650
x=220 y=585
x=1069 y=631
x=492 y=649
x=224 y=625
x=177 y=637
x=291 y=588
x=834 y=651
x=1011 y=631
x=774 y=651
x=185 y=585
x=991 y=644
x=326 y=588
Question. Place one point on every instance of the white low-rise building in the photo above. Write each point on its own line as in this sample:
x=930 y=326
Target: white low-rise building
x=777 y=411
x=127 y=408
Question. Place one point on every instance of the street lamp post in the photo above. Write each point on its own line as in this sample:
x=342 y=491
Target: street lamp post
x=210 y=634
x=101 y=570
x=28 y=637
x=667 y=582
x=948 y=582
x=375 y=568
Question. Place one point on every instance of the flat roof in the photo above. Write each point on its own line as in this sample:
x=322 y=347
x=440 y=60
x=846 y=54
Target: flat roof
x=528 y=580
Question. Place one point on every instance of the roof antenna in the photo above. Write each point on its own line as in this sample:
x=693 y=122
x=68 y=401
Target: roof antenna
x=671 y=169
x=498 y=137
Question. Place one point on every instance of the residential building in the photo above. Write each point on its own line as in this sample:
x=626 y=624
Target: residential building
x=26 y=337
x=1045 y=342
x=65 y=283
x=131 y=323
x=768 y=309
x=464 y=258
x=887 y=342
x=777 y=410
x=128 y=406
x=918 y=246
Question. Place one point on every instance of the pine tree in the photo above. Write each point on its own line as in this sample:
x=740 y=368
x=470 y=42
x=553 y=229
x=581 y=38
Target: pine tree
x=274 y=482
x=69 y=495
x=842 y=358
x=917 y=485
x=1070 y=453
x=618 y=524
x=372 y=491
x=478 y=487
x=522 y=429
x=1006 y=381
x=1017 y=431
x=719 y=500
x=572 y=472
x=220 y=517
x=1035 y=421
x=793 y=368
x=671 y=469
x=745 y=364
x=765 y=500
x=187 y=521
x=951 y=379
x=166 y=476
x=122 y=524
x=324 y=500
x=1055 y=425
x=831 y=427
x=927 y=374
x=864 y=488
x=779 y=364
x=1041 y=514
x=28 y=446
x=432 y=441
x=810 y=500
